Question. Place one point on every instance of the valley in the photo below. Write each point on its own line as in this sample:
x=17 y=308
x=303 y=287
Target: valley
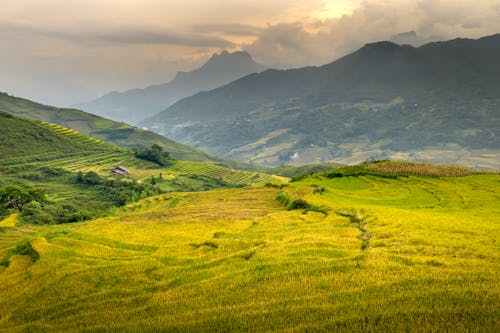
x=435 y=103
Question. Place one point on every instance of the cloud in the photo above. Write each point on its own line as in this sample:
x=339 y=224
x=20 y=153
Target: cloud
x=121 y=35
x=234 y=29
x=409 y=35
x=149 y=37
x=288 y=45
x=100 y=45
x=404 y=21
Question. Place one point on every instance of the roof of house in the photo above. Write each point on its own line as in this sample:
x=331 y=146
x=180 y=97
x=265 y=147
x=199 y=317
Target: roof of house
x=119 y=170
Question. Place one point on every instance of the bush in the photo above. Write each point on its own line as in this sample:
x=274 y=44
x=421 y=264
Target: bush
x=90 y=177
x=153 y=154
x=35 y=213
x=299 y=177
x=17 y=197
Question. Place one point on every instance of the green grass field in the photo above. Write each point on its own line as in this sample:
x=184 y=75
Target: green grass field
x=407 y=253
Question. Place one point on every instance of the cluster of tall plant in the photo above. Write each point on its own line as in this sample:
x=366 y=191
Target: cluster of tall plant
x=154 y=154
x=421 y=169
x=118 y=191
x=33 y=207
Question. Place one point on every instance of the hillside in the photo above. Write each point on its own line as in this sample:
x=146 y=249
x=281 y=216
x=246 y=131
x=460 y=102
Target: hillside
x=363 y=252
x=438 y=102
x=117 y=133
x=22 y=138
x=29 y=145
x=133 y=106
x=74 y=170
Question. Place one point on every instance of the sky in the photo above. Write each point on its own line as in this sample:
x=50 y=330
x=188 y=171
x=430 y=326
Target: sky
x=63 y=52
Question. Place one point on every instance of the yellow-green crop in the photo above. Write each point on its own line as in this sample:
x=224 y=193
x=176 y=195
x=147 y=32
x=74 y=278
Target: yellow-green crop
x=380 y=254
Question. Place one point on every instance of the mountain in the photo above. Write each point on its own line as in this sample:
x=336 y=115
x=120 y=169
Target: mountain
x=117 y=133
x=135 y=105
x=438 y=102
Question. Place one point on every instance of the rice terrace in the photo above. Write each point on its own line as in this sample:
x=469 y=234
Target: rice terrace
x=365 y=251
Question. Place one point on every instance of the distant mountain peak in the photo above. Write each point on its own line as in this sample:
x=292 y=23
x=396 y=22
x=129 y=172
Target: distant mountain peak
x=383 y=48
x=381 y=45
x=136 y=104
x=226 y=56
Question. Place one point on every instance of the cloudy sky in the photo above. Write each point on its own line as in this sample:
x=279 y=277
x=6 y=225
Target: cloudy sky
x=62 y=52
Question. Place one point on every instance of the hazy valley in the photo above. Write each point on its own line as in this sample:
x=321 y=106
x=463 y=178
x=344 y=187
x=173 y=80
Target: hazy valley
x=435 y=103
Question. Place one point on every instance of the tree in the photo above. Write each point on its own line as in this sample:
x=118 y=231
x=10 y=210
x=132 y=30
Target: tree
x=17 y=197
x=153 y=154
x=90 y=177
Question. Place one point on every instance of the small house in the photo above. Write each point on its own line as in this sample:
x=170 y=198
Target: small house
x=119 y=171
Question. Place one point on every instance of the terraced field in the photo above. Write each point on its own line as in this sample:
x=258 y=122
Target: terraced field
x=117 y=133
x=54 y=146
x=384 y=254
x=49 y=145
x=230 y=176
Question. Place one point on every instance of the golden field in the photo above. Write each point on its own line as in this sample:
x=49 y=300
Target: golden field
x=379 y=254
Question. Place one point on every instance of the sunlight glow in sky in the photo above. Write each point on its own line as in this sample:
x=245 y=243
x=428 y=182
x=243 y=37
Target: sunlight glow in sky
x=335 y=9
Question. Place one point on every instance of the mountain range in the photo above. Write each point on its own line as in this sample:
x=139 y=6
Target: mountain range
x=438 y=102
x=134 y=105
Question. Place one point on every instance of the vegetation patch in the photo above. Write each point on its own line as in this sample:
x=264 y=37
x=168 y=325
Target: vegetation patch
x=154 y=154
x=292 y=204
x=173 y=203
x=23 y=248
x=358 y=218
x=420 y=169
x=358 y=171
x=209 y=244
x=247 y=256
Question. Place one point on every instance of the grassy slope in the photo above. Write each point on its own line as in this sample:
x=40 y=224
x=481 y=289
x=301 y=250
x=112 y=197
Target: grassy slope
x=296 y=170
x=28 y=147
x=111 y=131
x=419 y=254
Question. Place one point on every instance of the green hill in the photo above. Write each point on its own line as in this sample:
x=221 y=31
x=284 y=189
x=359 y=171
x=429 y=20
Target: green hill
x=376 y=248
x=22 y=138
x=118 y=133
x=438 y=102
x=74 y=170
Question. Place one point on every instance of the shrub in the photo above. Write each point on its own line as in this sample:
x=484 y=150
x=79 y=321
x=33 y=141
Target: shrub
x=153 y=154
x=17 y=197
x=52 y=213
x=90 y=177
x=299 y=177
x=35 y=213
x=23 y=248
